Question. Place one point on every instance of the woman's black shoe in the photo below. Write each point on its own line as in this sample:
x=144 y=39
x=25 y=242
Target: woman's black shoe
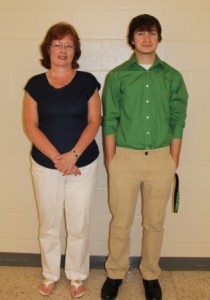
x=152 y=289
x=110 y=288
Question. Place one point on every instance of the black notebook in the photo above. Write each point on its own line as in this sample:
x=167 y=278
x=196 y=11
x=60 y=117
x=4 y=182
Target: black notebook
x=176 y=194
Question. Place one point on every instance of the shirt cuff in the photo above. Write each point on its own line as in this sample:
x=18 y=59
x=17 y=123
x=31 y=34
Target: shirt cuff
x=178 y=132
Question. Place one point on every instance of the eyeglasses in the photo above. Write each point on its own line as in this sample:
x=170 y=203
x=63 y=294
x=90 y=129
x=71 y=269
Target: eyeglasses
x=59 y=45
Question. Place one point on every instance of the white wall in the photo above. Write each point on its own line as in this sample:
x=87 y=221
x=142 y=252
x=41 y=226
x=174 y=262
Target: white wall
x=102 y=26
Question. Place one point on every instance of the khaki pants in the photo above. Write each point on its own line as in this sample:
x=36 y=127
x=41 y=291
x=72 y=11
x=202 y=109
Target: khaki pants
x=152 y=173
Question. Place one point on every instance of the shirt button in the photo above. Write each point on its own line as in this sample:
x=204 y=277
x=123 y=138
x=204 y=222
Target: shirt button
x=147 y=117
x=147 y=101
x=146 y=152
x=148 y=132
x=147 y=85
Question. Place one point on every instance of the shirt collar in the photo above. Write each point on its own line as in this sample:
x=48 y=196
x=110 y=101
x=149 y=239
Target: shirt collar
x=157 y=62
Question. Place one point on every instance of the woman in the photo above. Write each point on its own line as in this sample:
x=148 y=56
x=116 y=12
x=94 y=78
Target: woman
x=61 y=118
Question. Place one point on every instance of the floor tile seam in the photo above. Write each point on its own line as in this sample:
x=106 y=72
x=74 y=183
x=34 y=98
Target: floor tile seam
x=177 y=296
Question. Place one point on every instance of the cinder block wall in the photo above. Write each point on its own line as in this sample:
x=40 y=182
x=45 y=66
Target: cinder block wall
x=102 y=27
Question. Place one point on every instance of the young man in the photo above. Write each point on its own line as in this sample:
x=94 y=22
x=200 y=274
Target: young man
x=144 y=104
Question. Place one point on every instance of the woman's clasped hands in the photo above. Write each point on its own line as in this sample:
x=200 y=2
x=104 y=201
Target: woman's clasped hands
x=66 y=164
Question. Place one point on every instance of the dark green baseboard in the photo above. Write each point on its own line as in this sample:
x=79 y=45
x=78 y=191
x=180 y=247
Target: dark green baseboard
x=97 y=262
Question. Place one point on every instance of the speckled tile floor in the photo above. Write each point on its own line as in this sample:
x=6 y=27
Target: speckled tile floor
x=20 y=283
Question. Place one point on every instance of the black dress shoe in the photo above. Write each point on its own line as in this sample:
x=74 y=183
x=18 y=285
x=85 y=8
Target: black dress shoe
x=152 y=289
x=110 y=288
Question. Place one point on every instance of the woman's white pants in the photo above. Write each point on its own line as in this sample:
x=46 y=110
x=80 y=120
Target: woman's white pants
x=73 y=195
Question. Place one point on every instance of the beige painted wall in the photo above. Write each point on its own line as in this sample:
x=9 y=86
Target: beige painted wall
x=102 y=27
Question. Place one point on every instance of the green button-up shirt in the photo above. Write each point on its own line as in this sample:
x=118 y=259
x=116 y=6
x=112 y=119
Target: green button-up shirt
x=145 y=109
